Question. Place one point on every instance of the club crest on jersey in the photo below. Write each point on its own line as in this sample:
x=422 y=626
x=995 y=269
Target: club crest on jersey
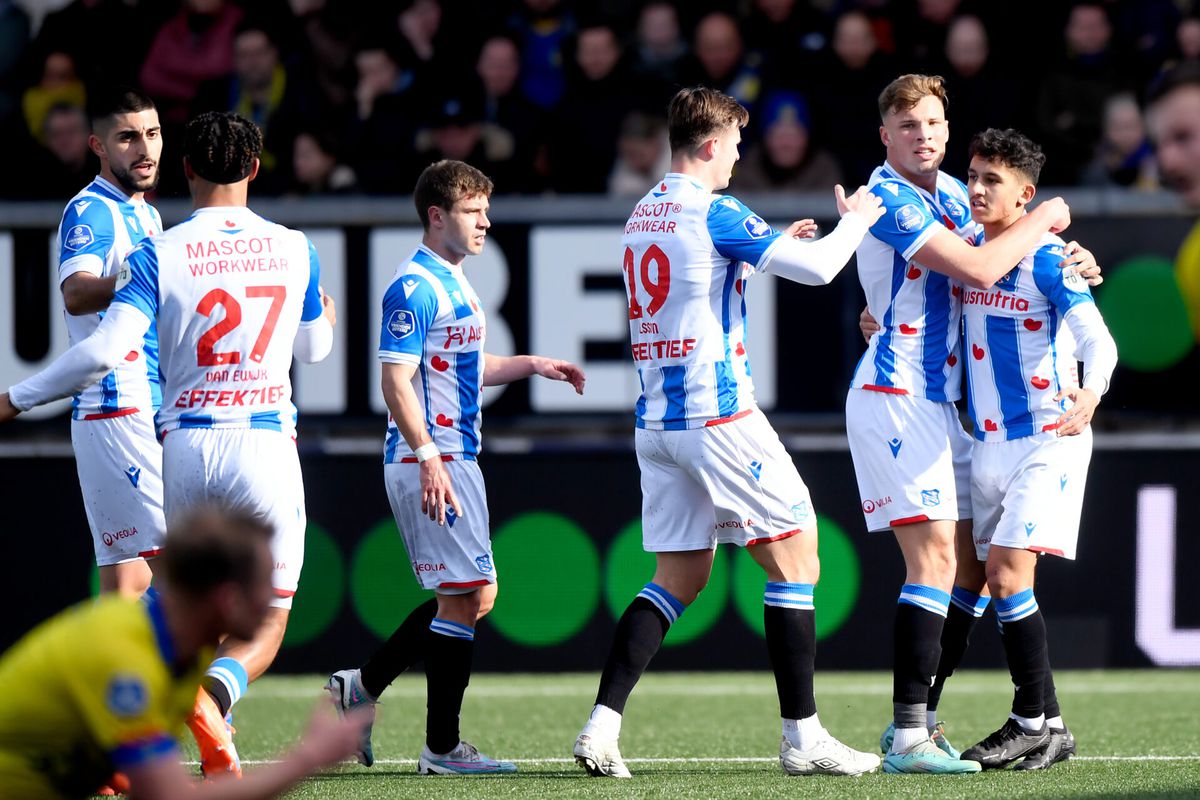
x=931 y=497
x=134 y=474
x=756 y=227
x=800 y=511
x=126 y=696
x=954 y=207
x=484 y=563
x=79 y=237
x=909 y=217
x=401 y=323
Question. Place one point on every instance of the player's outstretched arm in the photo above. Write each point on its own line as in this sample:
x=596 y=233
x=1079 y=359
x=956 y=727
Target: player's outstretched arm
x=314 y=339
x=817 y=263
x=120 y=331
x=85 y=293
x=980 y=267
x=327 y=741
x=499 y=370
x=437 y=491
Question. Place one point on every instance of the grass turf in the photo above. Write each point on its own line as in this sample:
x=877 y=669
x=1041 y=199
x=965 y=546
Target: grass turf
x=706 y=735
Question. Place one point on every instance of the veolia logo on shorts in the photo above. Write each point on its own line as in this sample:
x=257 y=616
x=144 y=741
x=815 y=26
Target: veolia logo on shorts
x=112 y=537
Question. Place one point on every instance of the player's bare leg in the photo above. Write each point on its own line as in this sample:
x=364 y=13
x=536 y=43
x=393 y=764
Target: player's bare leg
x=130 y=578
x=1010 y=574
x=792 y=569
x=679 y=577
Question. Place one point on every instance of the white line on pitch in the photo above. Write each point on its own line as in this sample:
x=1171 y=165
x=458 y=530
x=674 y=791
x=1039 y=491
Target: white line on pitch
x=716 y=760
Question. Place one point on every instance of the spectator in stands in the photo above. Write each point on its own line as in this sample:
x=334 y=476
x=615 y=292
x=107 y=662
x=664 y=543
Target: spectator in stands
x=981 y=96
x=1187 y=39
x=261 y=90
x=387 y=105
x=543 y=28
x=588 y=119
x=506 y=109
x=785 y=159
x=67 y=163
x=14 y=38
x=659 y=50
x=921 y=36
x=720 y=61
x=192 y=47
x=88 y=29
x=316 y=168
x=845 y=99
x=319 y=48
x=643 y=155
x=1073 y=93
x=58 y=84
x=1124 y=157
x=456 y=131
x=787 y=35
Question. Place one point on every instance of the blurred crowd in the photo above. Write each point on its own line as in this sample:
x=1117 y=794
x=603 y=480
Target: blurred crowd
x=554 y=96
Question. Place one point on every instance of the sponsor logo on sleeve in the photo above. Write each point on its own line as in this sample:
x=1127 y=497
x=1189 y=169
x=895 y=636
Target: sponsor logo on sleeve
x=401 y=324
x=909 y=217
x=78 y=237
x=756 y=227
x=126 y=696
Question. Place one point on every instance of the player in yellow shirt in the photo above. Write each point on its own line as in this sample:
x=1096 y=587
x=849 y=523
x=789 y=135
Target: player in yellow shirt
x=106 y=685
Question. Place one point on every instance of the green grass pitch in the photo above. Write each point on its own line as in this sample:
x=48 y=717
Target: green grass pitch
x=709 y=735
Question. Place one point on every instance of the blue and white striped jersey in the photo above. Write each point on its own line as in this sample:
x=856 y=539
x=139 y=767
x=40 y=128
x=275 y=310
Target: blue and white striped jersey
x=99 y=227
x=916 y=350
x=229 y=290
x=433 y=320
x=686 y=256
x=1019 y=352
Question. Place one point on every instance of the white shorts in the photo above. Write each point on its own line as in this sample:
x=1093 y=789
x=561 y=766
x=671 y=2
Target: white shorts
x=119 y=461
x=1028 y=492
x=451 y=559
x=253 y=470
x=733 y=482
x=911 y=456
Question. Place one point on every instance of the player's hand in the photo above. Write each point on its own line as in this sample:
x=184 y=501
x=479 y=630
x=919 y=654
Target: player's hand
x=866 y=205
x=802 y=229
x=1080 y=259
x=557 y=370
x=7 y=409
x=867 y=324
x=1058 y=212
x=1076 y=418
x=437 y=492
x=329 y=739
x=328 y=308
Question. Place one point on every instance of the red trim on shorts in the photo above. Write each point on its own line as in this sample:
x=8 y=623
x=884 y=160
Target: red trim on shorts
x=284 y=592
x=870 y=387
x=766 y=539
x=157 y=551
x=413 y=459
x=1050 y=551
x=909 y=520
x=1052 y=426
x=466 y=585
x=124 y=412
x=743 y=413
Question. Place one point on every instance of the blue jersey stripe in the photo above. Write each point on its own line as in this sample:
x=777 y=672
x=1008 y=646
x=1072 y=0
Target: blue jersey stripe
x=885 y=358
x=936 y=335
x=468 y=372
x=674 y=384
x=268 y=420
x=727 y=390
x=1004 y=350
x=390 y=445
x=195 y=421
x=640 y=409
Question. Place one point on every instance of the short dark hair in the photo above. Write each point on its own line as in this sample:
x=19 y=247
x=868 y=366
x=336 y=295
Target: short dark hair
x=221 y=146
x=1011 y=148
x=699 y=112
x=213 y=546
x=1184 y=74
x=112 y=100
x=444 y=183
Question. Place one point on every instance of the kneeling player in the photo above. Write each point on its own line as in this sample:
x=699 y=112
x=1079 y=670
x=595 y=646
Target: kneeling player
x=1033 y=443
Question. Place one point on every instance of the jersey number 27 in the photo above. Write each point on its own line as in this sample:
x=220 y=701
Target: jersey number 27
x=206 y=356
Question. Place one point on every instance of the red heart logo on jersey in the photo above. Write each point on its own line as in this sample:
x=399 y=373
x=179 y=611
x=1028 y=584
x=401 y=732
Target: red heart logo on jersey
x=1033 y=325
x=740 y=349
x=439 y=364
x=907 y=329
x=474 y=307
x=444 y=421
x=228 y=224
x=952 y=360
x=956 y=291
x=737 y=286
x=131 y=355
x=988 y=425
x=1039 y=383
x=977 y=351
x=914 y=273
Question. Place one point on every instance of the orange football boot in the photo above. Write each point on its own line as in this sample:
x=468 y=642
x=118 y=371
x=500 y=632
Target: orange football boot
x=218 y=756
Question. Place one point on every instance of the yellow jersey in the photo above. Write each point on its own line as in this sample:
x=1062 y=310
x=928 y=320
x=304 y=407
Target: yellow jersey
x=92 y=690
